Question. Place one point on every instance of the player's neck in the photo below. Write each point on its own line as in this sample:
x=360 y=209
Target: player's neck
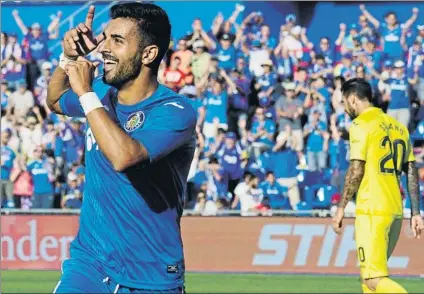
x=364 y=107
x=138 y=89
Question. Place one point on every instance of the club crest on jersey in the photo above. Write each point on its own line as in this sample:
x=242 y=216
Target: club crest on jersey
x=134 y=121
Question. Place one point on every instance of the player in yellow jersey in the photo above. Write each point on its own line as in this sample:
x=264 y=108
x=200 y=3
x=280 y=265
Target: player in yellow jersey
x=379 y=151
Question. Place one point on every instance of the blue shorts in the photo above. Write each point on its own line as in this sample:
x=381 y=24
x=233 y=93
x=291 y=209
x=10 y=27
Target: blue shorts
x=79 y=276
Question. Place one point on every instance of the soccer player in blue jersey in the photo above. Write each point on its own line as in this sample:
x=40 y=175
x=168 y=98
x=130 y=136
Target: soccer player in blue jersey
x=139 y=146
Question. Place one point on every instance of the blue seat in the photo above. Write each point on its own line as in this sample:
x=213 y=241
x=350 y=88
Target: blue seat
x=319 y=196
x=280 y=201
x=327 y=174
x=302 y=206
x=313 y=178
x=308 y=178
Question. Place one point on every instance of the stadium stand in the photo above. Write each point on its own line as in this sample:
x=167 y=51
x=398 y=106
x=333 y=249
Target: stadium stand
x=271 y=122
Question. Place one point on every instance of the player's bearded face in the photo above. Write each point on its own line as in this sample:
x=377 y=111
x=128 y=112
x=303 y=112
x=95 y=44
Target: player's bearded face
x=121 y=53
x=123 y=71
x=350 y=110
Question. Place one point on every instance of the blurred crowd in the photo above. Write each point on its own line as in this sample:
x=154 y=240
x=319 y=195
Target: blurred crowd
x=272 y=132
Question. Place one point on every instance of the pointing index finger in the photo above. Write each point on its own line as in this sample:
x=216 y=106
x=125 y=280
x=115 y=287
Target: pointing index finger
x=100 y=37
x=90 y=16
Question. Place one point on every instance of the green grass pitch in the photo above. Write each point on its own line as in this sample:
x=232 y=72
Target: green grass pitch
x=45 y=281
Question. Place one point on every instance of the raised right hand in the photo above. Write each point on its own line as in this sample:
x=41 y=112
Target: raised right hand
x=80 y=40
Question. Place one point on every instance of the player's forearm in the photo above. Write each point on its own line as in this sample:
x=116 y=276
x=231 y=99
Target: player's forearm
x=353 y=180
x=59 y=84
x=413 y=188
x=121 y=150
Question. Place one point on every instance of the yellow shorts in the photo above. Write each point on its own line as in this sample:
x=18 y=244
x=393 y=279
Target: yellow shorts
x=376 y=238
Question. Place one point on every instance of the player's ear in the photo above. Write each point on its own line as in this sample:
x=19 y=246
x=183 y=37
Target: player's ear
x=149 y=54
x=352 y=99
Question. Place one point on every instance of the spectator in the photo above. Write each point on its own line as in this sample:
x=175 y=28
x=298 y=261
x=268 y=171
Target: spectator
x=284 y=62
x=5 y=94
x=270 y=188
x=13 y=61
x=200 y=61
x=217 y=181
x=72 y=197
x=267 y=41
x=284 y=162
x=263 y=130
x=173 y=77
x=184 y=55
x=198 y=34
x=349 y=41
x=73 y=201
x=319 y=99
x=286 y=28
x=289 y=111
x=391 y=31
x=80 y=173
x=23 y=187
x=317 y=143
x=326 y=50
x=346 y=69
x=265 y=82
x=225 y=52
x=7 y=158
x=216 y=105
x=30 y=134
x=3 y=43
x=42 y=176
x=199 y=207
x=230 y=157
x=48 y=140
x=376 y=56
x=70 y=143
x=43 y=82
x=238 y=104
x=339 y=160
x=417 y=71
x=252 y=24
x=302 y=88
x=397 y=95
x=221 y=27
x=243 y=70
x=293 y=44
x=250 y=197
x=257 y=56
x=37 y=43
x=21 y=101
x=365 y=30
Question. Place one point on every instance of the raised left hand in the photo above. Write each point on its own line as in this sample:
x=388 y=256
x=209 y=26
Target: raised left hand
x=81 y=75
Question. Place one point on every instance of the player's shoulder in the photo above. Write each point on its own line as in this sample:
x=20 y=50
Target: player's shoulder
x=359 y=124
x=370 y=120
x=175 y=102
x=177 y=108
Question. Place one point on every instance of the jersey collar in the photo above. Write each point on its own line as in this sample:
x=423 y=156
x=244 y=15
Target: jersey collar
x=370 y=109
